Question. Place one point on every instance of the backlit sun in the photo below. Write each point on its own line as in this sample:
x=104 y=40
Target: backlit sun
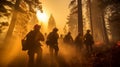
x=42 y=17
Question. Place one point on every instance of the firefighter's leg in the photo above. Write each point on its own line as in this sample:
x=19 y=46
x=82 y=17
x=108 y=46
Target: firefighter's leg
x=31 y=58
x=39 y=57
x=87 y=48
x=51 y=50
x=56 y=50
x=91 y=48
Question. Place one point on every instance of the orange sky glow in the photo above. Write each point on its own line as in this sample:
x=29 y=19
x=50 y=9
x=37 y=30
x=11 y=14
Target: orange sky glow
x=59 y=10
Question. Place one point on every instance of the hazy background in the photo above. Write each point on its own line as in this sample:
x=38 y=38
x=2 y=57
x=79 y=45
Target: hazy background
x=60 y=12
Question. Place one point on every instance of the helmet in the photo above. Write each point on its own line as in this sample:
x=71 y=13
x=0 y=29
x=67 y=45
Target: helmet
x=37 y=26
x=69 y=32
x=88 y=30
x=55 y=29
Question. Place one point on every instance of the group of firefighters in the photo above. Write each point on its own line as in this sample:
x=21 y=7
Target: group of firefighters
x=34 y=37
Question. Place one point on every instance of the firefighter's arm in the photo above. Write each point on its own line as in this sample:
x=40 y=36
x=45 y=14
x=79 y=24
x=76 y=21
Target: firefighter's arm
x=42 y=37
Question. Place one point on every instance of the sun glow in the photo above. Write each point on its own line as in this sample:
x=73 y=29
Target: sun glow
x=43 y=20
x=42 y=17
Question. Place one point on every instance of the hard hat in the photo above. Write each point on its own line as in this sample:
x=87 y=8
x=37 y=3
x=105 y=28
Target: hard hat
x=37 y=26
x=88 y=30
x=55 y=29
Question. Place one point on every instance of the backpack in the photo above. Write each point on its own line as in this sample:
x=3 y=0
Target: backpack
x=52 y=38
x=24 y=45
x=24 y=42
x=48 y=41
x=88 y=39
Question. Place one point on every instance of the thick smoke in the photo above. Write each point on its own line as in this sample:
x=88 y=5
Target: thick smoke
x=69 y=56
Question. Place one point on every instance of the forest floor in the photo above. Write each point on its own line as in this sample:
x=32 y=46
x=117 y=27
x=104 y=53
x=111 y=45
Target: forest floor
x=102 y=56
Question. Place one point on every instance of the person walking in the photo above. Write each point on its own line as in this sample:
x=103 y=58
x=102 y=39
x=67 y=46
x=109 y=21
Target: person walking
x=68 y=39
x=78 y=42
x=88 y=40
x=52 y=42
x=33 y=39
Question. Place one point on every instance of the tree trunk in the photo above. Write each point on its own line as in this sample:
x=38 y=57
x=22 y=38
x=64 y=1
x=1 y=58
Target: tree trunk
x=13 y=20
x=91 y=24
x=105 y=37
x=80 y=19
x=98 y=23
